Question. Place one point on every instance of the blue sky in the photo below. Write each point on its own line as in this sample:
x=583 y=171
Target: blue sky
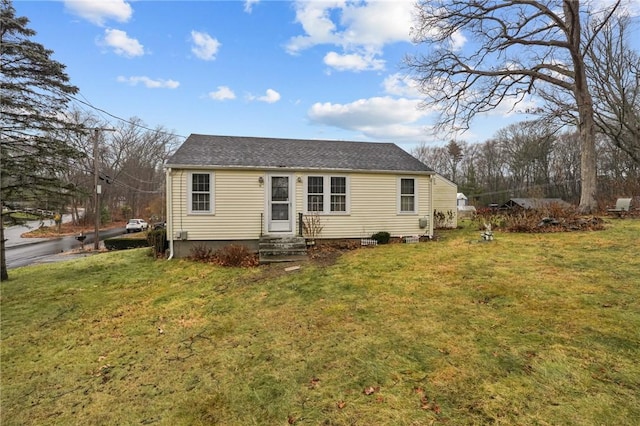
x=307 y=69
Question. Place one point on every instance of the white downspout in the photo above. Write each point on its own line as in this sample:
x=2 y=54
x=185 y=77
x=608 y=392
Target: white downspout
x=431 y=218
x=169 y=183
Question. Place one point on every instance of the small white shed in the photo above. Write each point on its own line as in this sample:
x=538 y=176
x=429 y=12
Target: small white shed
x=461 y=199
x=465 y=211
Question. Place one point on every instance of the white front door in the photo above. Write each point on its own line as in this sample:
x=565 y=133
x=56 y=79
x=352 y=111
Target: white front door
x=280 y=203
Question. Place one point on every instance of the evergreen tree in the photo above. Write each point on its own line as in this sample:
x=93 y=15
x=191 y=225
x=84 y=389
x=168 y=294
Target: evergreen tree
x=34 y=93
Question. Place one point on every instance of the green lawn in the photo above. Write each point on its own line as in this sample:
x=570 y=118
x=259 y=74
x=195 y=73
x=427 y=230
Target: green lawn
x=531 y=329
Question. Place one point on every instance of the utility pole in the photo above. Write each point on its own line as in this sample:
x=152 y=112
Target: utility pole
x=96 y=187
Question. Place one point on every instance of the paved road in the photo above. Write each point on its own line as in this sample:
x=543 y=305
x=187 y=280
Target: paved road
x=27 y=251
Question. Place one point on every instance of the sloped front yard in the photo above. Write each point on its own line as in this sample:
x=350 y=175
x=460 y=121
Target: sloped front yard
x=526 y=329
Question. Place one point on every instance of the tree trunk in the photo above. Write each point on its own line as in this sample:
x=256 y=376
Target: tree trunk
x=587 y=130
x=588 y=169
x=584 y=101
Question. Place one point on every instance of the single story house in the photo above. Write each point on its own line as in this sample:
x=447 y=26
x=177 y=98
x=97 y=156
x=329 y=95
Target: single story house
x=232 y=189
x=535 y=203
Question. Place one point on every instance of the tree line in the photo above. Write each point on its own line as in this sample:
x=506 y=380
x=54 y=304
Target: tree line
x=129 y=160
x=531 y=159
x=568 y=62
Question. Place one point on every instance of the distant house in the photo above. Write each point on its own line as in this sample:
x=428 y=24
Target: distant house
x=229 y=189
x=534 y=203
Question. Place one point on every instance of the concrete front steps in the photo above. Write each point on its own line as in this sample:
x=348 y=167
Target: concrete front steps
x=273 y=249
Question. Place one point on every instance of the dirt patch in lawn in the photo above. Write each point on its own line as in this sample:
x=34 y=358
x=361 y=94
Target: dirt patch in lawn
x=327 y=253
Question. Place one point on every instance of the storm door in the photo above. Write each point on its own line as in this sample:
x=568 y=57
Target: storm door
x=280 y=203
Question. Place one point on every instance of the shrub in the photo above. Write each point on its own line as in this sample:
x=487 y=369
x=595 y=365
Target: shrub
x=236 y=255
x=201 y=253
x=550 y=219
x=443 y=220
x=312 y=226
x=157 y=239
x=381 y=237
x=125 y=243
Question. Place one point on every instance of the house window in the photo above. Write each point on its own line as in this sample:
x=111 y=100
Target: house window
x=338 y=194
x=315 y=193
x=407 y=194
x=201 y=193
x=327 y=194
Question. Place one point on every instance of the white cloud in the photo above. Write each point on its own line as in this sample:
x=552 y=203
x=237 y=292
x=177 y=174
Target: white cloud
x=122 y=44
x=149 y=82
x=632 y=7
x=270 y=97
x=458 y=40
x=378 y=117
x=205 y=47
x=223 y=93
x=401 y=85
x=360 y=29
x=353 y=62
x=317 y=25
x=98 y=12
x=377 y=23
x=248 y=5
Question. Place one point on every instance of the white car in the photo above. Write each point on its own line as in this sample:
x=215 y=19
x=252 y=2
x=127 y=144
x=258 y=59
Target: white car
x=137 y=225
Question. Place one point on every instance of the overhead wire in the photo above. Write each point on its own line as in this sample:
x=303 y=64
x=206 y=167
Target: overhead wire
x=86 y=102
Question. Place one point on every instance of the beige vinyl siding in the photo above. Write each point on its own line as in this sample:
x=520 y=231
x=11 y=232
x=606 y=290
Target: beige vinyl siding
x=373 y=200
x=239 y=199
x=445 y=195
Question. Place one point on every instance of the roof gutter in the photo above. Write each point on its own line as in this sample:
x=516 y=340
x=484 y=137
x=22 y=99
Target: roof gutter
x=298 y=169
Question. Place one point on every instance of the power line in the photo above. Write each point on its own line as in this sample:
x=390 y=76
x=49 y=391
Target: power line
x=90 y=105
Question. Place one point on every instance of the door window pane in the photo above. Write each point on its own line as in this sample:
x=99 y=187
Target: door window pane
x=280 y=188
x=280 y=211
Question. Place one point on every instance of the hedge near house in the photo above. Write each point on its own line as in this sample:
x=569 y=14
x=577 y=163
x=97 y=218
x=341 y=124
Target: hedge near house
x=125 y=243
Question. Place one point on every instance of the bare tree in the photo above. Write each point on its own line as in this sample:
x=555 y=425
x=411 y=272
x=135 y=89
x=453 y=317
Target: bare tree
x=435 y=157
x=564 y=168
x=618 y=172
x=468 y=179
x=456 y=154
x=134 y=161
x=614 y=69
x=528 y=146
x=129 y=160
x=523 y=48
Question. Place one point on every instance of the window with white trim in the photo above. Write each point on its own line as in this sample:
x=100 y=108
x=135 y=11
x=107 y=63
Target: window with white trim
x=315 y=194
x=200 y=192
x=407 y=195
x=338 y=194
x=327 y=194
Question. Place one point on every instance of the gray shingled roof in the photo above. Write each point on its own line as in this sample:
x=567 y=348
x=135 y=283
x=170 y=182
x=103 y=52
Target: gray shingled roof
x=251 y=152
